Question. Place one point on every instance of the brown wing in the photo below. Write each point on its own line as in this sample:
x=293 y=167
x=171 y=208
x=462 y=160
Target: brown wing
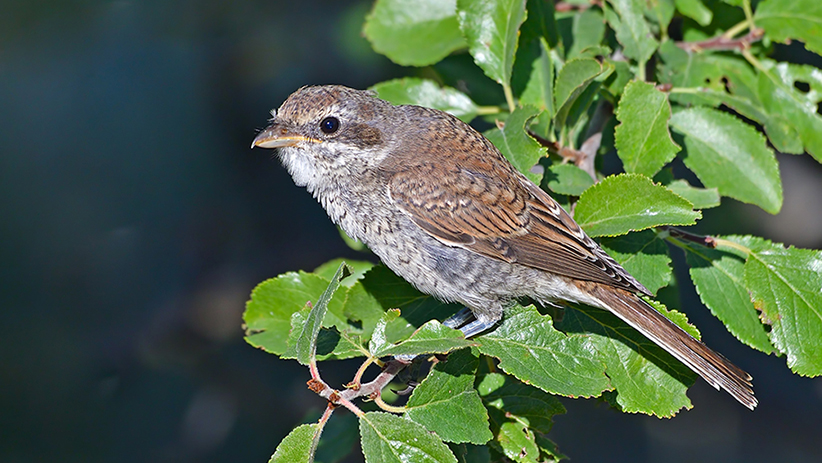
x=493 y=210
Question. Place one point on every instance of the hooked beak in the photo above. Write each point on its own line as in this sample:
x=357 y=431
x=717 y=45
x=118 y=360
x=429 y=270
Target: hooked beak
x=277 y=135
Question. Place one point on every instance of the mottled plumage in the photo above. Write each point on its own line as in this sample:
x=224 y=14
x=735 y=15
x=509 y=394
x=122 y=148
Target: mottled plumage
x=439 y=204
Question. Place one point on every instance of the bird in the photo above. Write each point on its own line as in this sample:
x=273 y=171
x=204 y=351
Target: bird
x=441 y=207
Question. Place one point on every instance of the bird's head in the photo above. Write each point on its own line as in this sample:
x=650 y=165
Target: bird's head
x=325 y=132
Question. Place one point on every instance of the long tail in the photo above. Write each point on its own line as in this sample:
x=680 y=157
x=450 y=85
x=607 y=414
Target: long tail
x=718 y=371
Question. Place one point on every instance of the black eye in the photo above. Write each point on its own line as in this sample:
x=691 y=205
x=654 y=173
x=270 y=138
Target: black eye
x=330 y=125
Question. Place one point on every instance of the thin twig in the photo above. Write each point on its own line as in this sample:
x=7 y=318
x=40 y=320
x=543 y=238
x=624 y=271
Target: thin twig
x=739 y=27
x=389 y=408
x=320 y=426
x=357 y=381
x=724 y=43
x=370 y=389
x=707 y=241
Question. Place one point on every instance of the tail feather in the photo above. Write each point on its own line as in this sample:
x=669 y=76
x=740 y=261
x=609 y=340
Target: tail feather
x=718 y=371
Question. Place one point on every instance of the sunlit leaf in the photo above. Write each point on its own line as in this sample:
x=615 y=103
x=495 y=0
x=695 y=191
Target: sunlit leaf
x=730 y=155
x=423 y=92
x=414 y=33
x=631 y=202
x=491 y=29
x=387 y=438
x=785 y=285
x=296 y=447
x=796 y=19
x=531 y=349
x=447 y=403
x=642 y=138
x=632 y=31
x=302 y=343
x=718 y=276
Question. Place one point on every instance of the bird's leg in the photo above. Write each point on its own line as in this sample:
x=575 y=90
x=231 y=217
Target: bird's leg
x=476 y=327
x=458 y=319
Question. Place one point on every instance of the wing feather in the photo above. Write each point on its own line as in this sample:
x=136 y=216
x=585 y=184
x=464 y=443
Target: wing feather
x=513 y=221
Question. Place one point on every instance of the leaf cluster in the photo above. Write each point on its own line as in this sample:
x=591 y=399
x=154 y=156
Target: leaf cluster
x=563 y=84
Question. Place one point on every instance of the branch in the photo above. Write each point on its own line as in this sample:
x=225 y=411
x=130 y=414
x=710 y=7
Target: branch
x=371 y=389
x=724 y=43
x=707 y=241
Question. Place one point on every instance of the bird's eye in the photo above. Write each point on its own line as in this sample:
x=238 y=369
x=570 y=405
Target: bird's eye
x=330 y=125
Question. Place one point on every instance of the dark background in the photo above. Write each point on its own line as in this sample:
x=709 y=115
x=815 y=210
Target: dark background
x=135 y=220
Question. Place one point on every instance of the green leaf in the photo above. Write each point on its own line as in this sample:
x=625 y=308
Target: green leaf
x=414 y=33
x=659 y=13
x=695 y=10
x=431 y=338
x=267 y=315
x=701 y=198
x=789 y=109
x=447 y=403
x=296 y=447
x=423 y=92
x=730 y=155
x=587 y=30
x=677 y=317
x=568 y=179
x=576 y=116
x=785 y=286
x=528 y=403
x=516 y=145
x=387 y=438
x=644 y=255
x=539 y=91
x=630 y=202
x=722 y=79
x=542 y=21
x=362 y=311
x=797 y=19
x=303 y=346
x=718 y=276
x=529 y=348
x=642 y=139
x=616 y=82
x=572 y=80
x=730 y=81
x=379 y=340
x=331 y=343
x=491 y=29
x=647 y=379
x=513 y=438
x=632 y=31
x=356 y=267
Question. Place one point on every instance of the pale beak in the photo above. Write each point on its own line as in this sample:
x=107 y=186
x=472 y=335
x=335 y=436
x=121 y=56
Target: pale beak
x=277 y=135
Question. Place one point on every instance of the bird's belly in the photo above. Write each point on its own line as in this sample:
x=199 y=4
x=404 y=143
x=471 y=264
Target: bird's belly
x=450 y=273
